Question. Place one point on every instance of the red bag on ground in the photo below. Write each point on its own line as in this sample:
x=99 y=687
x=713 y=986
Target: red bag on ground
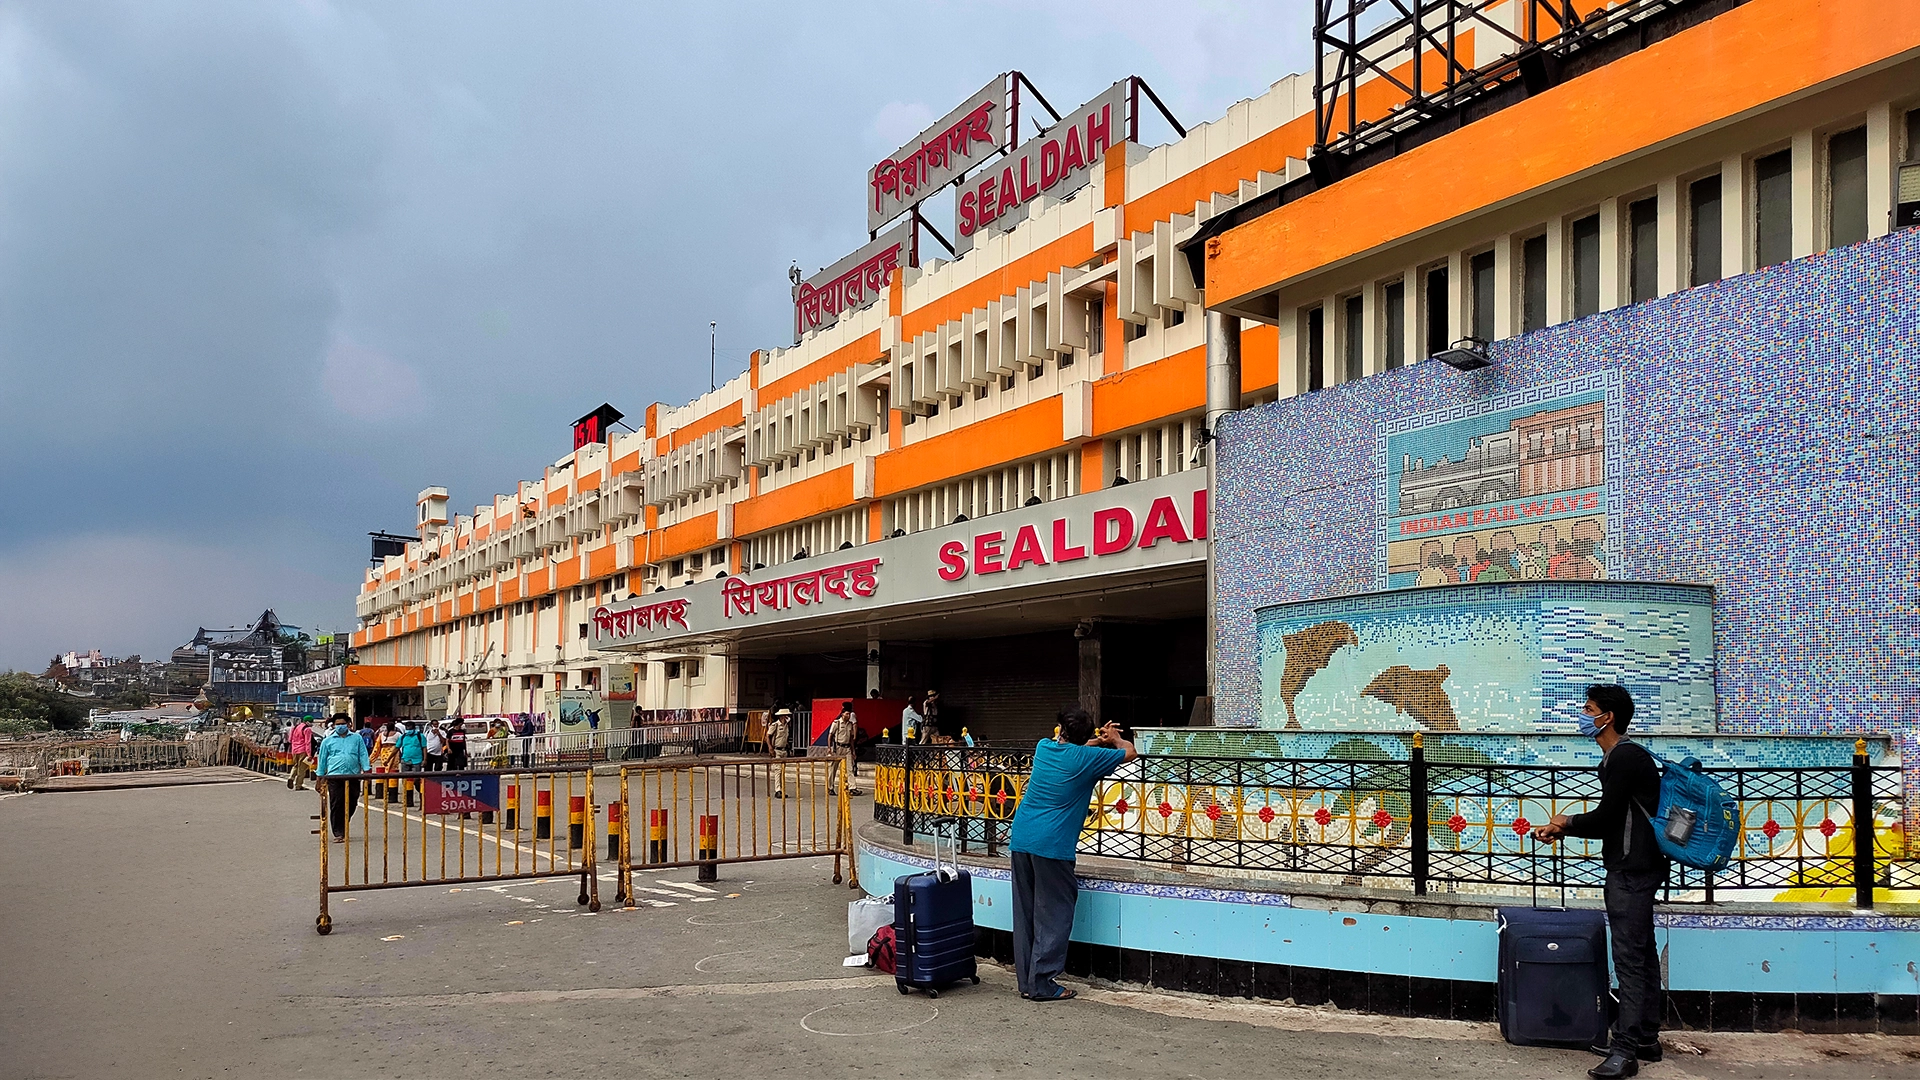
x=880 y=950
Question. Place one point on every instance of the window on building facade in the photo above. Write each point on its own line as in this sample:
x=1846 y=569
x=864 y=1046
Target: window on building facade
x=1394 y=299
x=1354 y=312
x=1586 y=266
x=1316 y=349
x=1480 y=277
x=673 y=669
x=693 y=671
x=1437 y=311
x=1773 y=209
x=1703 y=230
x=1097 y=327
x=1643 y=257
x=1533 y=284
x=1847 y=188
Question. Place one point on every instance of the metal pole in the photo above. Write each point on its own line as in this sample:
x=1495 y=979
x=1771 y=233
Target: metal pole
x=1417 y=789
x=713 y=356
x=1223 y=396
x=1862 y=827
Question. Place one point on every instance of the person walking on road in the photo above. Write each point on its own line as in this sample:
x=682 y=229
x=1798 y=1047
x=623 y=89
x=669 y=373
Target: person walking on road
x=300 y=745
x=780 y=745
x=457 y=744
x=413 y=749
x=840 y=737
x=1636 y=870
x=1043 y=843
x=341 y=754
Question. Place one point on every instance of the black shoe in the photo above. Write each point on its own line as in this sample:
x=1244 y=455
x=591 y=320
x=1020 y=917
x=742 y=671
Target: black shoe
x=1616 y=1065
x=1648 y=1051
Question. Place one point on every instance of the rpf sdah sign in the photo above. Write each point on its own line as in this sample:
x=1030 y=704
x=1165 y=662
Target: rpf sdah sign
x=461 y=793
x=1056 y=163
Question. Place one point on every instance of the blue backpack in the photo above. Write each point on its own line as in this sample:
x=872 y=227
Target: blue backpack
x=1696 y=823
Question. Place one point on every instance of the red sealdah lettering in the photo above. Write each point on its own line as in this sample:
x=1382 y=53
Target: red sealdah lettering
x=986 y=553
x=953 y=560
x=1049 y=164
x=1108 y=541
x=1200 y=514
x=1062 y=551
x=966 y=213
x=1163 y=523
x=1026 y=549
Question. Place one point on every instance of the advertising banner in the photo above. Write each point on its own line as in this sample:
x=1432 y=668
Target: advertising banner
x=963 y=138
x=580 y=710
x=618 y=679
x=1056 y=163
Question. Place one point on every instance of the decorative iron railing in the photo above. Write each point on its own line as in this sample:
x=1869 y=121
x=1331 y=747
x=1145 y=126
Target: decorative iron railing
x=1352 y=821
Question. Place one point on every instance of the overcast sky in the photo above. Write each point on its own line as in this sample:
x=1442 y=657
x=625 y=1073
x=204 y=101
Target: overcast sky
x=269 y=268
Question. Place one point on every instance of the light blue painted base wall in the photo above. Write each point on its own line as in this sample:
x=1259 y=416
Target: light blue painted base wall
x=1783 y=954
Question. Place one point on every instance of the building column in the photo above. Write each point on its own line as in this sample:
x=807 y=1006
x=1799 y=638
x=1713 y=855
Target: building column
x=1672 y=259
x=1091 y=681
x=1735 y=217
x=1807 y=227
x=1557 y=271
x=1879 y=170
x=1506 y=288
x=1612 y=257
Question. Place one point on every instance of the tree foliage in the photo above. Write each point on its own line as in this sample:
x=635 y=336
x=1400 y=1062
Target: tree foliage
x=23 y=697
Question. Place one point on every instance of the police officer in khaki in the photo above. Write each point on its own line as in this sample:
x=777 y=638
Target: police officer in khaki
x=780 y=745
x=841 y=736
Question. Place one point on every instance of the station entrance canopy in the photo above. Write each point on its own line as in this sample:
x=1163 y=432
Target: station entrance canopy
x=1103 y=554
x=358 y=677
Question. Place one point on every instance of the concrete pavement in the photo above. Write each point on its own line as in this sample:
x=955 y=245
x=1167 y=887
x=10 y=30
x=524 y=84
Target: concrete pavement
x=169 y=932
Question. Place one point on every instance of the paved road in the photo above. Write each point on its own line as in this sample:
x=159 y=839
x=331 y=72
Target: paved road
x=168 y=932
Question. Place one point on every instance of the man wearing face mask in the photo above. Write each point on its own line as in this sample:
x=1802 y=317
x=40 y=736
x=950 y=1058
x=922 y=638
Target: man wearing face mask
x=1636 y=869
x=342 y=753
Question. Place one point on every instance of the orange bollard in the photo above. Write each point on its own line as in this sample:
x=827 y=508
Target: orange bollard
x=512 y=807
x=656 y=836
x=576 y=822
x=708 y=847
x=613 y=831
x=543 y=814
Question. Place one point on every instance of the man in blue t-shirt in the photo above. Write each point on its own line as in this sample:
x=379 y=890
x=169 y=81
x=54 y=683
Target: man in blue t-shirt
x=1046 y=832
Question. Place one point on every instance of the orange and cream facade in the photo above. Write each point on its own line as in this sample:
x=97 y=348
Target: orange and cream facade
x=988 y=476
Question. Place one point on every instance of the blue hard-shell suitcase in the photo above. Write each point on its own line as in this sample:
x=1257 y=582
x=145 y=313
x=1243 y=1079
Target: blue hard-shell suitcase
x=933 y=926
x=1552 y=981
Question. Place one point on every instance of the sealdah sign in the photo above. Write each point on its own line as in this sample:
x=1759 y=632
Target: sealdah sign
x=1113 y=529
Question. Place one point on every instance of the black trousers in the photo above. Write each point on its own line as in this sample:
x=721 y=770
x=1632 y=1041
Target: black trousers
x=342 y=797
x=457 y=757
x=1044 y=895
x=1636 y=956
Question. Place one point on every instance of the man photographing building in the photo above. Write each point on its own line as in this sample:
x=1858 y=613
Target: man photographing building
x=1636 y=869
x=1045 y=836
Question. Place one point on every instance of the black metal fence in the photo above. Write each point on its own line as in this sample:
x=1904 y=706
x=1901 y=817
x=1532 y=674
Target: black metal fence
x=1353 y=821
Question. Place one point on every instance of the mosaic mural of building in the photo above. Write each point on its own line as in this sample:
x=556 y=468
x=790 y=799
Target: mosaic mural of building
x=1755 y=436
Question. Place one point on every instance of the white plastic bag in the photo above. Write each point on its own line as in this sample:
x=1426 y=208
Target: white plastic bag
x=864 y=916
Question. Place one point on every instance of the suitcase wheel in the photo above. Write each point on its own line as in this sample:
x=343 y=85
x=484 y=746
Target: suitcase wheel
x=904 y=988
x=932 y=993
x=975 y=978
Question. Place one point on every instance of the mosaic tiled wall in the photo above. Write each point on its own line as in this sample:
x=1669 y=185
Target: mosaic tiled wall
x=1767 y=448
x=1488 y=656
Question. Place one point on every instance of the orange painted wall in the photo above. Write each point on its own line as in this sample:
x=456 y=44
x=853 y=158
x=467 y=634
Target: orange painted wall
x=1757 y=53
x=726 y=416
x=600 y=562
x=863 y=351
x=1151 y=392
x=795 y=502
x=1093 y=466
x=687 y=536
x=1259 y=357
x=1020 y=433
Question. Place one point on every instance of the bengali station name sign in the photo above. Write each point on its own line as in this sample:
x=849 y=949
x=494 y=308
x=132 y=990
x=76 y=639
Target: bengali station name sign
x=941 y=154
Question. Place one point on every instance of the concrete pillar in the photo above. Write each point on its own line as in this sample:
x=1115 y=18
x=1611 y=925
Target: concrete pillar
x=1557 y=271
x=1091 y=679
x=1413 y=328
x=1459 y=316
x=1805 y=205
x=1223 y=397
x=1506 y=287
x=1879 y=170
x=1735 y=218
x=1372 y=356
x=1612 y=259
x=1673 y=253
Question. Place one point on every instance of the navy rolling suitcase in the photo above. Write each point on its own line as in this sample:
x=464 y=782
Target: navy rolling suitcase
x=1553 y=987
x=933 y=925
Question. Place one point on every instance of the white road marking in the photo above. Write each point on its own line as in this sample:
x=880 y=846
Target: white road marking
x=685 y=885
x=604 y=993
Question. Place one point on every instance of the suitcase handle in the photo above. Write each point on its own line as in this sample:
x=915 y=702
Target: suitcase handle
x=940 y=827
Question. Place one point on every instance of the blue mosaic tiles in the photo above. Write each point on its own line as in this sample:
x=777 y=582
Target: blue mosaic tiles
x=1764 y=445
x=1488 y=656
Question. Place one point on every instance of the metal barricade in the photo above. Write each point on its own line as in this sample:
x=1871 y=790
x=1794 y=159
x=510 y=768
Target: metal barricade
x=453 y=828
x=705 y=814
